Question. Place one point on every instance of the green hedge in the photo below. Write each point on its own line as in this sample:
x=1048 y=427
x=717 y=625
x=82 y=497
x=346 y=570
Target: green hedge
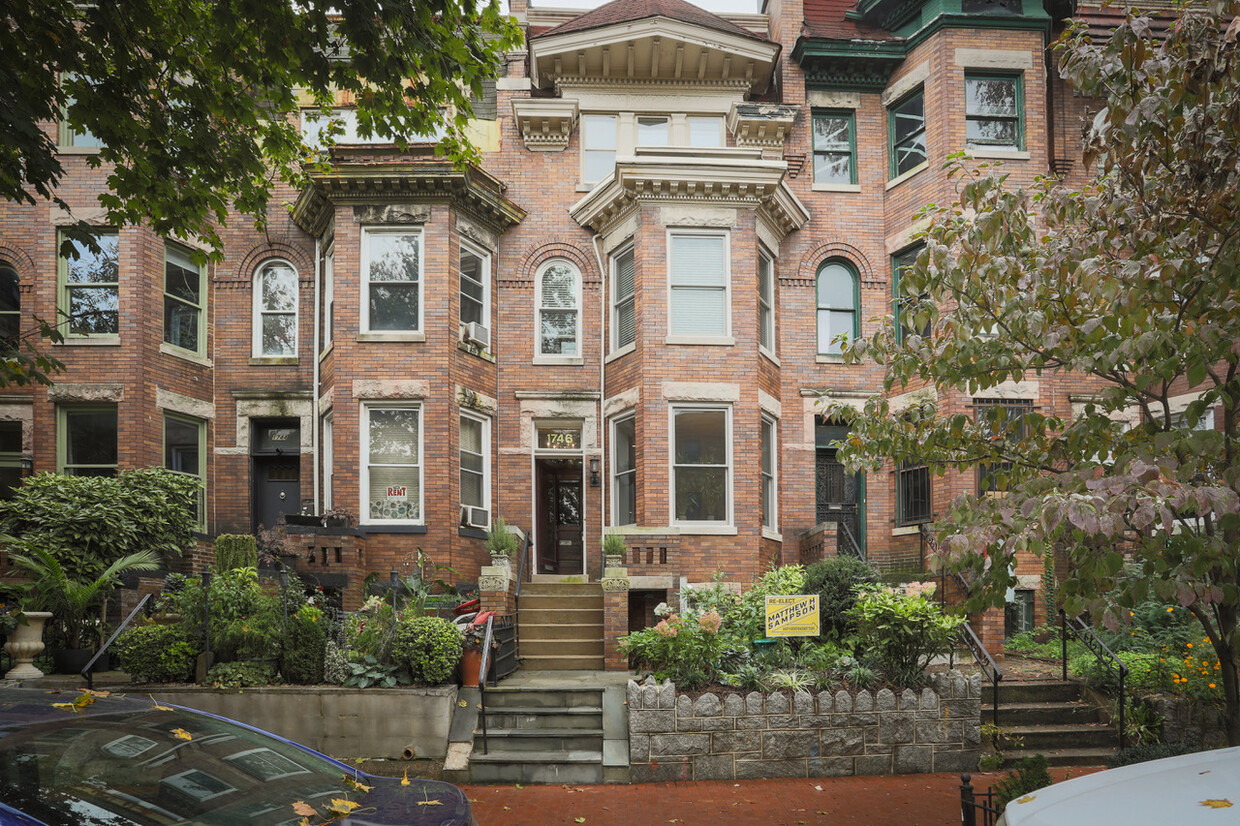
x=429 y=647
x=156 y=654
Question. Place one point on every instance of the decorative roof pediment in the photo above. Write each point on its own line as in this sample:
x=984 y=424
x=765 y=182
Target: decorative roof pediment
x=738 y=178
x=405 y=180
x=657 y=50
x=545 y=124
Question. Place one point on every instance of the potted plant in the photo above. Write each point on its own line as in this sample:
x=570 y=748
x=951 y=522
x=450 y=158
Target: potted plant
x=501 y=543
x=338 y=518
x=75 y=602
x=613 y=550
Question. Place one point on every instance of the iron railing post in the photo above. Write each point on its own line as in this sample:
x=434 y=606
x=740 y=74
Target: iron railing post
x=1123 y=701
x=994 y=716
x=482 y=679
x=968 y=814
x=1063 y=641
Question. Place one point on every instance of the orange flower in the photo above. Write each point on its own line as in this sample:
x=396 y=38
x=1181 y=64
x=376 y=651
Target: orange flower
x=1211 y=685
x=1188 y=645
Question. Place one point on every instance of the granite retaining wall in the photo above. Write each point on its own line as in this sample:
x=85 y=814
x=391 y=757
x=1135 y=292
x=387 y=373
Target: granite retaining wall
x=803 y=734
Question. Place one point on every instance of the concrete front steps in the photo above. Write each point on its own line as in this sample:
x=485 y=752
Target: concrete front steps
x=561 y=626
x=552 y=729
x=1051 y=717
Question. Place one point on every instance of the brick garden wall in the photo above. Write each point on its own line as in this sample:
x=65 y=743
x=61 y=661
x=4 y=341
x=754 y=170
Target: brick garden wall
x=674 y=737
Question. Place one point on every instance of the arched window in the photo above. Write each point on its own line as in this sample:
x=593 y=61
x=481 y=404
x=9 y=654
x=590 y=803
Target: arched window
x=10 y=308
x=275 y=310
x=837 y=305
x=559 y=309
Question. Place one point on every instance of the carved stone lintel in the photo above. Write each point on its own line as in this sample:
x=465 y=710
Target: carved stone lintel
x=493 y=583
x=613 y=585
x=476 y=233
x=87 y=392
x=392 y=214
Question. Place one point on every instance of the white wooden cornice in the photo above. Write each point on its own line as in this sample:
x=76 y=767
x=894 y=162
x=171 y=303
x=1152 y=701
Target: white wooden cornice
x=761 y=125
x=545 y=123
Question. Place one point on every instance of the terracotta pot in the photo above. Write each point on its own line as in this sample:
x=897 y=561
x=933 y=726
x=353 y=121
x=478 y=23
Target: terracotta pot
x=470 y=667
x=25 y=644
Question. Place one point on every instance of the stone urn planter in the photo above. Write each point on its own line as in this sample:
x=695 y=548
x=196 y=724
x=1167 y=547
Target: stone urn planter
x=26 y=643
x=502 y=561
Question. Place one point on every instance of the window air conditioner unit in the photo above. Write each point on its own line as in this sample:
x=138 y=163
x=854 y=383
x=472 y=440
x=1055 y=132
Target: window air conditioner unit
x=478 y=335
x=475 y=517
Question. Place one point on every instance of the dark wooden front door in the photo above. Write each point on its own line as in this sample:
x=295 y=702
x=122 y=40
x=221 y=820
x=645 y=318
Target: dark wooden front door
x=277 y=488
x=560 y=546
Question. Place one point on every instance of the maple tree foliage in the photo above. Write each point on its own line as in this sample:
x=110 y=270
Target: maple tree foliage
x=1131 y=282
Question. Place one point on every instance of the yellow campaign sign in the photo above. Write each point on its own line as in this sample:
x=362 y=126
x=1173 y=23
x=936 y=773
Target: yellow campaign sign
x=792 y=616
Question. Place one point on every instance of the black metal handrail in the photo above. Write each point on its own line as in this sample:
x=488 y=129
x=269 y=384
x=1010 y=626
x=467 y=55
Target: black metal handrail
x=525 y=552
x=86 y=672
x=482 y=678
x=1081 y=630
x=853 y=547
x=987 y=663
x=973 y=802
x=929 y=540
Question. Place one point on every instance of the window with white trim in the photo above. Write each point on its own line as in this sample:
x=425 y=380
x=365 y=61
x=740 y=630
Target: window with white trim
x=698 y=280
x=329 y=451
x=475 y=284
x=329 y=295
x=392 y=470
x=275 y=310
x=766 y=301
x=705 y=132
x=701 y=464
x=184 y=300
x=770 y=452
x=624 y=470
x=558 y=286
x=475 y=463
x=652 y=130
x=598 y=147
x=392 y=280
x=623 y=299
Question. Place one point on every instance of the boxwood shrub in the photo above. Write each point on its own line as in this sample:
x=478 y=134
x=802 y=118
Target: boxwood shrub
x=429 y=647
x=156 y=654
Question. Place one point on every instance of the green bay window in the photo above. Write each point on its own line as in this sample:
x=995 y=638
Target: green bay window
x=837 y=290
x=907 y=129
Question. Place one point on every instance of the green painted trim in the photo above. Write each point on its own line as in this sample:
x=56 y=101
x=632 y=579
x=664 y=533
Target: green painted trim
x=900 y=261
x=856 y=299
x=1018 y=78
x=920 y=91
x=62 y=432
x=851 y=116
x=62 y=288
x=201 y=475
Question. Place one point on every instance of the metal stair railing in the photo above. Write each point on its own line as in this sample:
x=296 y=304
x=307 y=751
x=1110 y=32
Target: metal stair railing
x=1114 y=666
x=509 y=654
x=969 y=639
x=852 y=547
x=482 y=678
x=928 y=540
x=86 y=671
x=973 y=803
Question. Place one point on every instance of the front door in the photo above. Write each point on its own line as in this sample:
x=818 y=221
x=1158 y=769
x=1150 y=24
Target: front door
x=837 y=492
x=277 y=488
x=560 y=544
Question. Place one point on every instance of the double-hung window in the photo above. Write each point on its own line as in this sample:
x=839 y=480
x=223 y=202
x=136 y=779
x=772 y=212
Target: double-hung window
x=10 y=308
x=834 y=147
x=766 y=301
x=1003 y=420
x=329 y=296
x=770 y=450
x=392 y=471
x=837 y=307
x=185 y=452
x=702 y=464
x=392 y=280
x=90 y=286
x=903 y=304
x=912 y=494
x=698 y=280
x=598 y=147
x=475 y=471
x=907 y=125
x=475 y=288
x=623 y=299
x=329 y=450
x=994 y=111
x=87 y=440
x=10 y=458
x=559 y=301
x=183 y=300
x=705 y=132
x=70 y=135
x=275 y=310
x=624 y=470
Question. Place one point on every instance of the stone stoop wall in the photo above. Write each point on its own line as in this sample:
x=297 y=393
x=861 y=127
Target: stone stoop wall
x=1188 y=721
x=673 y=737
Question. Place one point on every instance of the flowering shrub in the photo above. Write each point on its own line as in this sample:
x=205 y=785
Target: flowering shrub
x=683 y=649
x=1195 y=673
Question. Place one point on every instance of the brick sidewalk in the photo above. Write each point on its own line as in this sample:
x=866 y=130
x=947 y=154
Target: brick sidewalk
x=903 y=800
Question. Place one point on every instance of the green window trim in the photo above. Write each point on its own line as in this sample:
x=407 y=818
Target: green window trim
x=177 y=457
x=88 y=287
x=104 y=461
x=906 y=132
x=66 y=135
x=834 y=315
x=900 y=262
x=834 y=137
x=10 y=308
x=1000 y=123
x=185 y=304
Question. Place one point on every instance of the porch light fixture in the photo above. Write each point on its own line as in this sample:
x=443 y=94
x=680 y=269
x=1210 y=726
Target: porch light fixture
x=27 y=465
x=594 y=477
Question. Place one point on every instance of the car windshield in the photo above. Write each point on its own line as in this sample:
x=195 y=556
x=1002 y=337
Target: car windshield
x=156 y=766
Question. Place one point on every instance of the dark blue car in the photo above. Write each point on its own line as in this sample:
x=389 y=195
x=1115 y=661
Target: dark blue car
x=117 y=761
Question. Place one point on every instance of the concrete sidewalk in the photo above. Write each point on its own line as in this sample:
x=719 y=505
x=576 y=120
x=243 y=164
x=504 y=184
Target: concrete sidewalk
x=900 y=800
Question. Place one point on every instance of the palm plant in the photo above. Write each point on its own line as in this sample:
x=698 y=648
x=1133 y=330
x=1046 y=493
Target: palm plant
x=70 y=599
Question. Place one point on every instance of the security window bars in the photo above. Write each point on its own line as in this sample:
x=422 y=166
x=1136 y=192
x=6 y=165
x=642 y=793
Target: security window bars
x=624 y=470
x=183 y=300
x=834 y=147
x=185 y=452
x=558 y=315
x=475 y=280
x=907 y=125
x=698 y=277
x=90 y=279
x=912 y=494
x=623 y=300
x=1003 y=421
x=275 y=310
x=994 y=112
x=392 y=474
x=86 y=443
x=701 y=467
x=393 y=281
x=837 y=307
x=598 y=147
x=766 y=301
